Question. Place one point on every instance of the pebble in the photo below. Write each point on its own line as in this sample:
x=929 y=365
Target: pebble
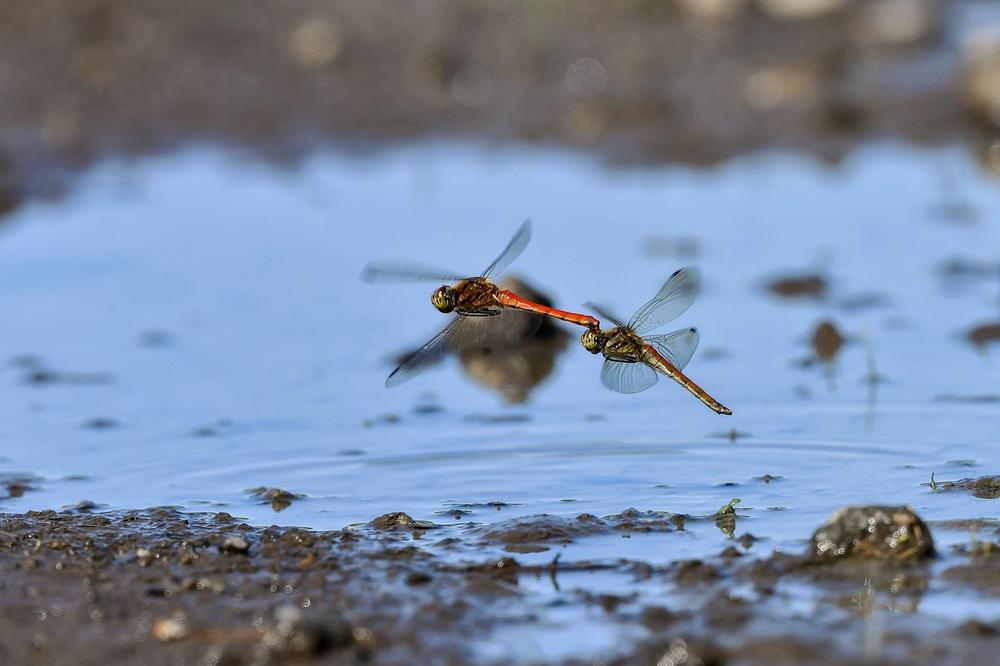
x=144 y=556
x=235 y=544
x=170 y=628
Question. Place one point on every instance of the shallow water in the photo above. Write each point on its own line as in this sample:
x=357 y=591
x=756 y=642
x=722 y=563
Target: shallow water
x=267 y=356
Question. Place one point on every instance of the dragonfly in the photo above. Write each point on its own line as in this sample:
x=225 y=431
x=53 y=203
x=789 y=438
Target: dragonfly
x=469 y=298
x=633 y=359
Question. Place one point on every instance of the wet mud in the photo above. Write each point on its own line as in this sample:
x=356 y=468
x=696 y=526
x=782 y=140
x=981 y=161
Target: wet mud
x=160 y=586
x=983 y=487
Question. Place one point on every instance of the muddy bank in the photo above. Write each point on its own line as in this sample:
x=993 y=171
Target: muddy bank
x=689 y=81
x=158 y=586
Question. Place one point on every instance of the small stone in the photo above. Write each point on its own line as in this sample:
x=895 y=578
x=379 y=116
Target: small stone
x=827 y=341
x=278 y=498
x=656 y=617
x=170 y=628
x=418 y=578
x=83 y=506
x=101 y=423
x=397 y=519
x=799 y=286
x=873 y=532
x=235 y=544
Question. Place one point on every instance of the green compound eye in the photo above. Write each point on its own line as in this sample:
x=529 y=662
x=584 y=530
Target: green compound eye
x=592 y=340
x=444 y=299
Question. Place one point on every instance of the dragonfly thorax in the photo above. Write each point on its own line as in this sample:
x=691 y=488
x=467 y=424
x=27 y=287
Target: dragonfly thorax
x=623 y=345
x=475 y=296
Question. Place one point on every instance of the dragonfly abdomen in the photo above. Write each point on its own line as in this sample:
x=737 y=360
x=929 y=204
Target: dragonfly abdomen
x=652 y=358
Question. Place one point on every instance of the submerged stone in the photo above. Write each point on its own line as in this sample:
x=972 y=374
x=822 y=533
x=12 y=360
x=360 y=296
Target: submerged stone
x=541 y=529
x=396 y=519
x=278 y=498
x=872 y=532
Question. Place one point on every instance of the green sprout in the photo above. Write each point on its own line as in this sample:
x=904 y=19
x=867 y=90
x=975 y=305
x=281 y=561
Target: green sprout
x=729 y=508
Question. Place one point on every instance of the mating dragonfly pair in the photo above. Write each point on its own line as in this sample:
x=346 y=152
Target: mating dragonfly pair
x=632 y=357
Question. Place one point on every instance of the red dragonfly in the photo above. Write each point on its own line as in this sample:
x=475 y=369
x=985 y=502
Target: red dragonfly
x=467 y=297
x=632 y=359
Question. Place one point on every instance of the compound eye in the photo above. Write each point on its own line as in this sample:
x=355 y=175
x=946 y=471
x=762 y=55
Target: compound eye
x=444 y=299
x=591 y=341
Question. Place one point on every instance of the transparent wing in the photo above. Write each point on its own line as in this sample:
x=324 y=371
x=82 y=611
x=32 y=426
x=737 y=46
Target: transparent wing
x=498 y=334
x=459 y=333
x=627 y=377
x=677 y=347
x=508 y=330
x=604 y=313
x=513 y=250
x=403 y=272
x=676 y=296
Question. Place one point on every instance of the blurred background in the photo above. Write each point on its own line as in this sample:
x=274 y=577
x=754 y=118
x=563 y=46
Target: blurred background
x=189 y=192
x=694 y=82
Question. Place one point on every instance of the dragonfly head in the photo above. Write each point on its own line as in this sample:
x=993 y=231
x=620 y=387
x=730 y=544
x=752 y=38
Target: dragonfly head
x=593 y=340
x=444 y=298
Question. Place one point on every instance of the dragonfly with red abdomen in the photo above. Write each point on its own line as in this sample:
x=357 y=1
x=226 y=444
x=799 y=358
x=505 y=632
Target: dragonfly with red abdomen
x=468 y=298
x=632 y=358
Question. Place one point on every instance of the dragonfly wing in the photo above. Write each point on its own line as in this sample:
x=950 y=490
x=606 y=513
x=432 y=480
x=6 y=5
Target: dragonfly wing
x=677 y=347
x=513 y=250
x=676 y=296
x=459 y=331
x=627 y=377
x=401 y=272
x=510 y=329
x=488 y=335
x=604 y=313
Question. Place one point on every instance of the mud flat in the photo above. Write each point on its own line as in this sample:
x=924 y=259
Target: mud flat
x=158 y=586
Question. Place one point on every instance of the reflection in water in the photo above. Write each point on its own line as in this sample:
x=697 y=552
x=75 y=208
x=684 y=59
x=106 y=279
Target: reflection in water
x=873 y=378
x=799 y=286
x=984 y=334
x=516 y=351
x=278 y=498
x=725 y=518
x=478 y=305
x=515 y=366
x=826 y=343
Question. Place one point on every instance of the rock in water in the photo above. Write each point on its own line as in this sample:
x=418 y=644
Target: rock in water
x=873 y=532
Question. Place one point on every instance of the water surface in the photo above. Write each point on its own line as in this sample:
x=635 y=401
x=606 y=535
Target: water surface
x=209 y=310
